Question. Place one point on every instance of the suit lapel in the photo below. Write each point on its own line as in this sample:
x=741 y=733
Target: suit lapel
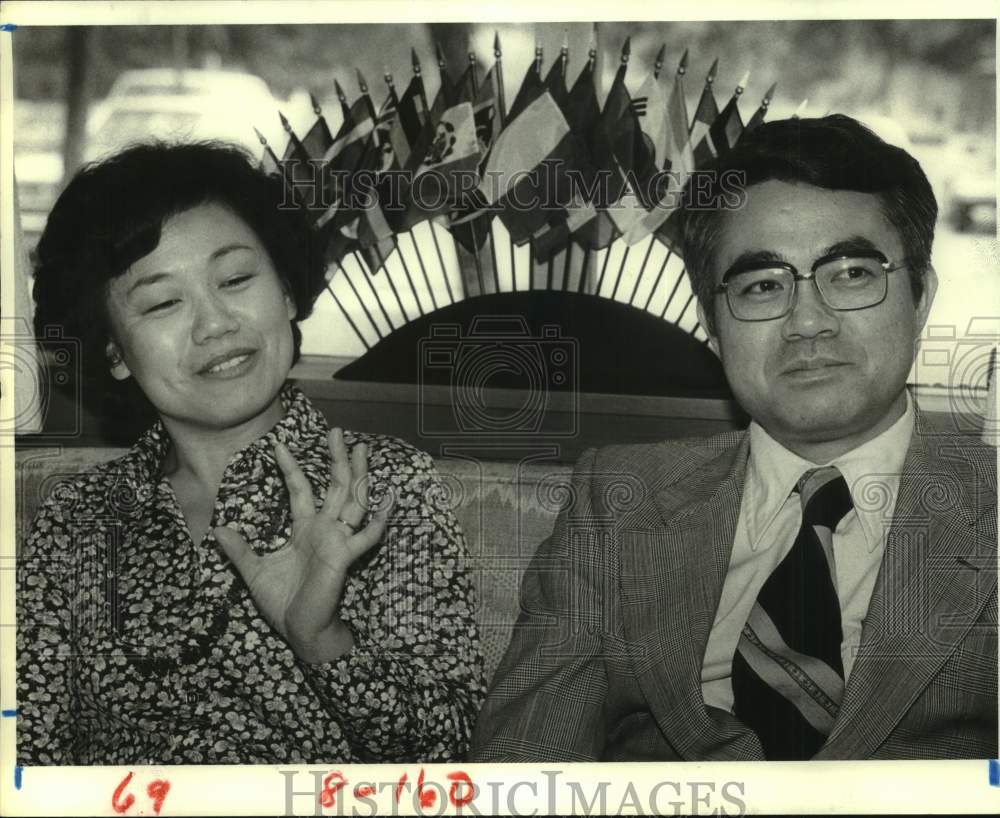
x=932 y=585
x=674 y=563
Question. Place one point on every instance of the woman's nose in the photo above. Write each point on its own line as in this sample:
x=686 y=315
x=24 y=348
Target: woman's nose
x=810 y=315
x=213 y=318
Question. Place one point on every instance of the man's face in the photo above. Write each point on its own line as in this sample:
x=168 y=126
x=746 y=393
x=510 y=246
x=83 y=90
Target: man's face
x=820 y=381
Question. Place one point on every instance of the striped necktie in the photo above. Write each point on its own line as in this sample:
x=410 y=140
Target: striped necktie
x=788 y=677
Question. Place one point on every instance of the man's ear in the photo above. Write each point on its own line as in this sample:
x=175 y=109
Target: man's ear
x=713 y=342
x=119 y=369
x=926 y=300
x=290 y=308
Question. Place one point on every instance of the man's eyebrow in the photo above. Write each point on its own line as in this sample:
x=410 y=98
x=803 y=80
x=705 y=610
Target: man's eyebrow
x=749 y=259
x=854 y=244
x=156 y=278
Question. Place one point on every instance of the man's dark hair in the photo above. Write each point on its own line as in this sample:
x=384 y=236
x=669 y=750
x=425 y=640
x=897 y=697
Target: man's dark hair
x=834 y=152
x=111 y=215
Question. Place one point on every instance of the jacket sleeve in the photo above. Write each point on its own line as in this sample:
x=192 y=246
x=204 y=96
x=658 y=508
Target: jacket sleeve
x=547 y=698
x=44 y=624
x=410 y=688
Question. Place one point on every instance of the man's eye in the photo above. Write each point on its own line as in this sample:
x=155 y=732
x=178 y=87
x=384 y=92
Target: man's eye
x=765 y=286
x=237 y=280
x=855 y=275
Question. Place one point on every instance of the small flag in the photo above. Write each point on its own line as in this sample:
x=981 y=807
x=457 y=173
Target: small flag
x=705 y=113
x=451 y=159
x=318 y=138
x=531 y=88
x=761 y=112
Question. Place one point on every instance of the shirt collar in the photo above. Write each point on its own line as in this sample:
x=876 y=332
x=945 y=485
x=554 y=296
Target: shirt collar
x=871 y=471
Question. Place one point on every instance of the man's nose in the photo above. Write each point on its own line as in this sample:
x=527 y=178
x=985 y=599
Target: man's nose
x=213 y=318
x=810 y=315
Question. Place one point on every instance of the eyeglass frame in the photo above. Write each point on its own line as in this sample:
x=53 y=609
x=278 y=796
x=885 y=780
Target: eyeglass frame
x=736 y=269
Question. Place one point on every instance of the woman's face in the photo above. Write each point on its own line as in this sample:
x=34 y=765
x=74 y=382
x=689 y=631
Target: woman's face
x=202 y=323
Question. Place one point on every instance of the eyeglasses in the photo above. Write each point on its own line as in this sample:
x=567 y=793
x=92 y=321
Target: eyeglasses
x=763 y=291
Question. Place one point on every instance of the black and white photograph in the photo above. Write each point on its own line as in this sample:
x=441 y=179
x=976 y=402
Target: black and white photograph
x=394 y=393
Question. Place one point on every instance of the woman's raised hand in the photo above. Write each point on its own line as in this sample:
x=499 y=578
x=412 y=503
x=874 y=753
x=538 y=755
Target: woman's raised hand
x=298 y=588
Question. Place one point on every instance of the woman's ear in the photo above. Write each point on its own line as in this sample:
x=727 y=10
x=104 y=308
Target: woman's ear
x=119 y=369
x=290 y=306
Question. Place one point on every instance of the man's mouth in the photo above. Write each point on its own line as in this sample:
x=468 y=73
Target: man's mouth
x=804 y=366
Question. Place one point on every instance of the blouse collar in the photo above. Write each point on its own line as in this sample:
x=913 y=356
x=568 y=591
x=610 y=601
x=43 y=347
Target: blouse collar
x=144 y=461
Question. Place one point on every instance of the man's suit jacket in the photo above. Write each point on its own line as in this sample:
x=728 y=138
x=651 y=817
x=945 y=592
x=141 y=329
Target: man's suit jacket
x=617 y=606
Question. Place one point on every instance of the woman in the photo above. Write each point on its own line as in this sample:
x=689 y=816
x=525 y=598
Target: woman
x=245 y=585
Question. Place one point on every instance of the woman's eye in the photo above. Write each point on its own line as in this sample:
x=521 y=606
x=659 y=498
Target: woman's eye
x=162 y=306
x=236 y=280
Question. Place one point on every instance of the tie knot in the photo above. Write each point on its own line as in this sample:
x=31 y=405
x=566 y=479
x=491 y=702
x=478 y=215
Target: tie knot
x=825 y=497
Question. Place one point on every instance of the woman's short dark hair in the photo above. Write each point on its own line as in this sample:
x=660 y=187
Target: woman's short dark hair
x=111 y=215
x=834 y=152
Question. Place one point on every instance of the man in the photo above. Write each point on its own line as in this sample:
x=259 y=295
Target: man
x=728 y=598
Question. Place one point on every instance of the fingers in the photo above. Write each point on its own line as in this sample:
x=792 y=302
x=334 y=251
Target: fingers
x=238 y=551
x=300 y=493
x=347 y=498
x=369 y=535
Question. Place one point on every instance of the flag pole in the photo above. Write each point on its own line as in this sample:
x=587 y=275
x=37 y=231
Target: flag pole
x=394 y=98
x=657 y=67
x=709 y=79
x=378 y=299
x=409 y=278
x=357 y=295
x=642 y=271
x=677 y=284
x=472 y=74
x=423 y=269
x=622 y=71
x=387 y=76
x=501 y=100
x=607 y=256
x=539 y=55
x=392 y=285
x=656 y=283
x=475 y=258
x=348 y=317
x=268 y=149
x=291 y=134
x=581 y=286
x=686 y=305
x=569 y=253
x=591 y=66
x=437 y=247
x=345 y=109
x=363 y=87
x=621 y=269
x=681 y=71
x=415 y=64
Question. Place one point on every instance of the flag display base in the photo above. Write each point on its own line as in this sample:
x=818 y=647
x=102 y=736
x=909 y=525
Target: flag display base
x=544 y=341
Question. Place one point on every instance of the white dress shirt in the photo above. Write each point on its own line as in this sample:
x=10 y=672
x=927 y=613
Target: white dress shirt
x=770 y=516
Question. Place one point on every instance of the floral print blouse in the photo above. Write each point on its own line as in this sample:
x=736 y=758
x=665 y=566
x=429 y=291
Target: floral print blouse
x=137 y=645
